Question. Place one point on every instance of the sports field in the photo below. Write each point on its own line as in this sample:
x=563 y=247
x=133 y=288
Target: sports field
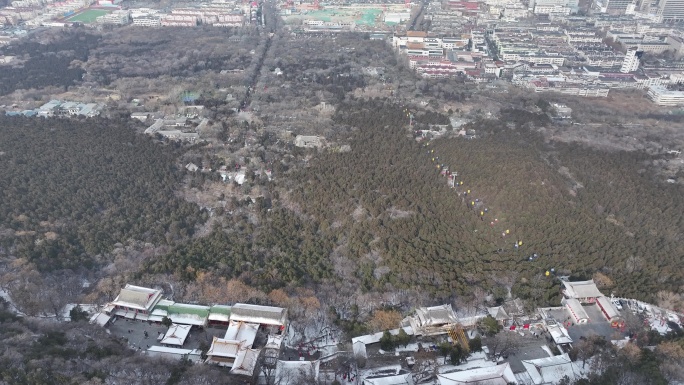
x=88 y=16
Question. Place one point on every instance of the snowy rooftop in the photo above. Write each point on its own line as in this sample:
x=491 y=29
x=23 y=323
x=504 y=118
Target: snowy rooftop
x=188 y=319
x=159 y=312
x=186 y=308
x=359 y=349
x=576 y=309
x=274 y=341
x=136 y=297
x=437 y=319
x=492 y=375
x=392 y=379
x=559 y=334
x=194 y=355
x=607 y=306
x=219 y=313
x=475 y=360
x=100 y=319
x=245 y=362
x=224 y=348
x=268 y=315
x=375 y=338
x=551 y=370
x=498 y=313
x=176 y=335
x=581 y=289
x=164 y=304
x=243 y=332
x=50 y=105
x=436 y=315
x=295 y=372
x=164 y=349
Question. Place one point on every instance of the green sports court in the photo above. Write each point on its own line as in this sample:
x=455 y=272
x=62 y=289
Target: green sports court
x=88 y=16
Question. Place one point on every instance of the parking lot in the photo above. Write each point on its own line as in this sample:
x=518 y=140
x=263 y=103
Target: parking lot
x=597 y=325
x=594 y=329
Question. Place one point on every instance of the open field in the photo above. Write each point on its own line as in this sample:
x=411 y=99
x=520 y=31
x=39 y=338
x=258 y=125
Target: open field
x=88 y=16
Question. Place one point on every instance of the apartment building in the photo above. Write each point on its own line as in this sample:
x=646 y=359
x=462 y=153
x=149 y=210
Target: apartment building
x=147 y=21
x=572 y=4
x=671 y=10
x=662 y=96
x=119 y=17
x=631 y=61
x=619 y=7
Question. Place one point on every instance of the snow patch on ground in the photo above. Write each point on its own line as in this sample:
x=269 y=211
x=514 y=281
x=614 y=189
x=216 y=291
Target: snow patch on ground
x=408 y=348
x=65 y=314
x=12 y=306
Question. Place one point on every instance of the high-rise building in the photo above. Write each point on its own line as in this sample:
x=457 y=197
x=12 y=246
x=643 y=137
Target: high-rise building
x=631 y=62
x=671 y=10
x=572 y=4
x=618 y=7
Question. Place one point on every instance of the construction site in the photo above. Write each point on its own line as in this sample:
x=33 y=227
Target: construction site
x=356 y=17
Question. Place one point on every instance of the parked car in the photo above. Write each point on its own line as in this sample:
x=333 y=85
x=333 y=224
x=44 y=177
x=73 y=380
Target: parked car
x=617 y=304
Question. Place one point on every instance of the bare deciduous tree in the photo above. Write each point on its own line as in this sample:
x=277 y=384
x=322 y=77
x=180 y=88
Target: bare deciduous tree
x=504 y=343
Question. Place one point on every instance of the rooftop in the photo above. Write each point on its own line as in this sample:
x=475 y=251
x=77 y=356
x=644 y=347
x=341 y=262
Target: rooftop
x=245 y=362
x=243 y=332
x=164 y=349
x=576 y=309
x=296 y=371
x=392 y=379
x=436 y=315
x=224 y=348
x=492 y=375
x=559 y=334
x=137 y=297
x=607 y=306
x=181 y=308
x=100 y=318
x=176 y=335
x=219 y=313
x=551 y=370
x=268 y=315
x=498 y=313
x=581 y=289
x=374 y=338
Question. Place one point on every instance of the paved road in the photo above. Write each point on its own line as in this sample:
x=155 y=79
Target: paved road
x=423 y=5
x=267 y=29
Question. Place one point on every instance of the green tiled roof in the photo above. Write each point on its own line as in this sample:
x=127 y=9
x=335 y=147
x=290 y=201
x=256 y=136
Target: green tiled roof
x=220 y=309
x=164 y=304
x=179 y=308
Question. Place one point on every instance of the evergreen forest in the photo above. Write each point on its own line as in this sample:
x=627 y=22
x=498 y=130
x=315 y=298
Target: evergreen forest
x=72 y=189
x=47 y=64
x=383 y=216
